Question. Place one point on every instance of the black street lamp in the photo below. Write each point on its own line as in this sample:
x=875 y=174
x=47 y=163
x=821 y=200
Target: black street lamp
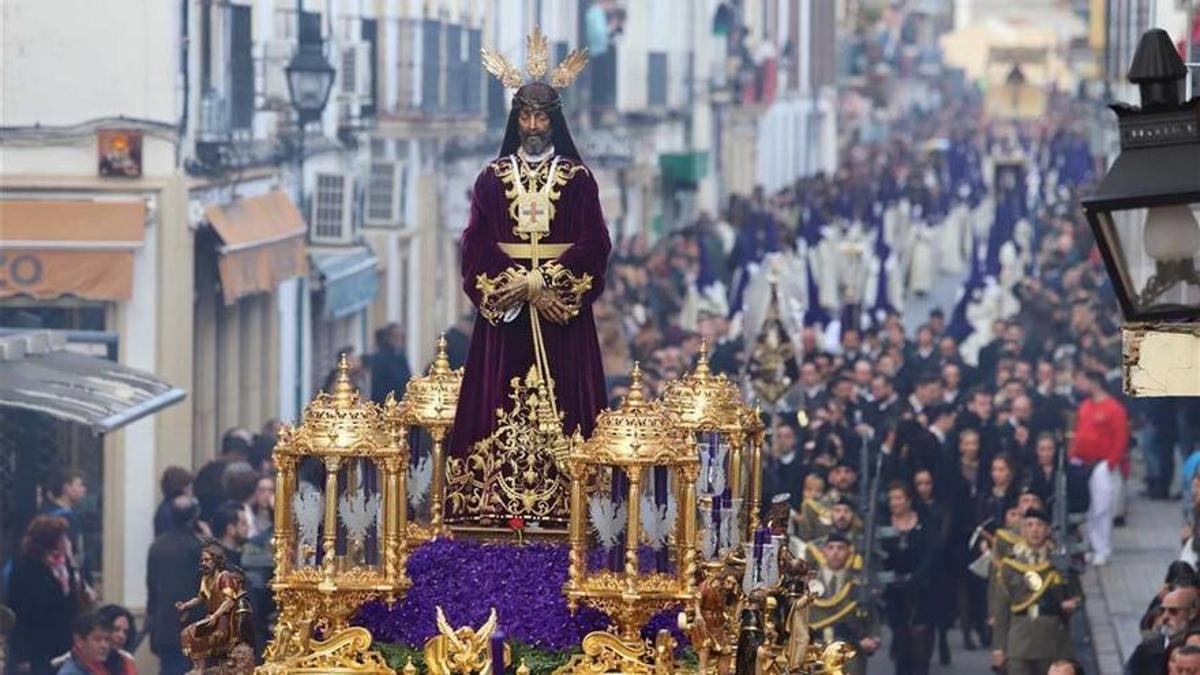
x=309 y=78
x=1144 y=214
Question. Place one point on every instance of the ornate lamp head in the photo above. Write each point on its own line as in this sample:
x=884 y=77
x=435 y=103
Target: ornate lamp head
x=430 y=400
x=702 y=401
x=637 y=433
x=535 y=93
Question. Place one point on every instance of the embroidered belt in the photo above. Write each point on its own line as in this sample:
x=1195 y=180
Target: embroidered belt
x=520 y=251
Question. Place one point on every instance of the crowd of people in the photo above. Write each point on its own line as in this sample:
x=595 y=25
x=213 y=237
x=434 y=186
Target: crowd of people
x=961 y=427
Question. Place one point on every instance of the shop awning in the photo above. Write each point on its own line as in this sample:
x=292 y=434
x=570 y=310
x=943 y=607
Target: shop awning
x=53 y=248
x=262 y=244
x=348 y=277
x=37 y=373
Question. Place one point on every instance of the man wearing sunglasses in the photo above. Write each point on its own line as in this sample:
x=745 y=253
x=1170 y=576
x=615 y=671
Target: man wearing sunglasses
x=1178 y=616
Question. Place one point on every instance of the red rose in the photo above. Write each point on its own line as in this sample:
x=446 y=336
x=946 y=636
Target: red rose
x=517 y=524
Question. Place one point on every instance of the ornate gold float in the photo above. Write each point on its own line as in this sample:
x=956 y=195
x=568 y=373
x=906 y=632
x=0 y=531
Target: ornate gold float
x=429 y=403
x=324 y=571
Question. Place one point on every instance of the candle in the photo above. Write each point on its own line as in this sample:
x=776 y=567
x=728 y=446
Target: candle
x=498 y=652
x=716 y=522
x=616 y=555
x=661 y=560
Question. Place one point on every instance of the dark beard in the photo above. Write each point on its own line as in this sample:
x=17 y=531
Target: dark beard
x=535 y=144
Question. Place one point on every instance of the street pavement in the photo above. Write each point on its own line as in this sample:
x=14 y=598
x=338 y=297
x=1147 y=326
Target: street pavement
x=1118 y=593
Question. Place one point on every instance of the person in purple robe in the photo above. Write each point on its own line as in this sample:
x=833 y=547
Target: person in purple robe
x=534 y=254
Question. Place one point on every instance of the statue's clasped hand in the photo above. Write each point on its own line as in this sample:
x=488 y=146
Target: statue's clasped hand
x=513 y=293
x=553 y=307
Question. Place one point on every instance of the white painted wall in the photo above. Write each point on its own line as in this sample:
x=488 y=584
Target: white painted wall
x=110 y=58
x=139 y=350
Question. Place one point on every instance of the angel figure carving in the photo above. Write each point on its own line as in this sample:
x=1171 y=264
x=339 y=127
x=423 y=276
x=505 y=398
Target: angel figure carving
x=463 y=651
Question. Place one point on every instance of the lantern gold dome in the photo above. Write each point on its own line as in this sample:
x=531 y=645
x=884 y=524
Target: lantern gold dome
x=639 y=432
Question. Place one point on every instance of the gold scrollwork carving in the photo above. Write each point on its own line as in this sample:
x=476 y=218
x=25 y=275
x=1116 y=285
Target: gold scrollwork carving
x=570 y=288
x=606 y=653
x=347 y=651
x=518 y=469
x=489 y=289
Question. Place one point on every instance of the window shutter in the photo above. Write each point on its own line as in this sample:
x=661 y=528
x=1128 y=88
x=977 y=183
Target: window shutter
x=455 y=87
x=657 y=77
x=310 y=28
x=370 y=37
x=241 y=68
x=431 y=55
x=474 y=71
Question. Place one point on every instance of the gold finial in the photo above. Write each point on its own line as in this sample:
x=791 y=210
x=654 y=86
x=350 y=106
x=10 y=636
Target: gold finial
x=702 y=362
x=343 y=392
x=523 y=669
x=441 y=360
x=637 y=394
x=410 y=668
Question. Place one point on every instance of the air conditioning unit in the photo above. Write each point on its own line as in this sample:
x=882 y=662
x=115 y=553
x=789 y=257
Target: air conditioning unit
x=275 y=57
x=331 y=216
x=385 y=189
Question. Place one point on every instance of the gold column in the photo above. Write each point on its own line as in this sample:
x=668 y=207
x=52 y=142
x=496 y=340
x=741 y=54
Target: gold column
x=401 y=493
x=633 y=529
x=754 y=503
x=393 y=516
x=329 y=546
x=437 y=488
x=284 y=531
x=736 y=455
x=687 y=511
x=577 y=528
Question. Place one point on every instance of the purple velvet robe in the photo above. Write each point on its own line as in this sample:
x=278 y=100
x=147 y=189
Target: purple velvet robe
x=501 y=352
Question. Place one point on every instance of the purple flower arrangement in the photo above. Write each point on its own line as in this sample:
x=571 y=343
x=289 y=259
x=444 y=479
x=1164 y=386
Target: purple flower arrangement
x=467 y=579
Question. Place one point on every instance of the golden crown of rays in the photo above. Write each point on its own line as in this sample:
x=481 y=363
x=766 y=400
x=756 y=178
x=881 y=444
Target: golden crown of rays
x=537 y=61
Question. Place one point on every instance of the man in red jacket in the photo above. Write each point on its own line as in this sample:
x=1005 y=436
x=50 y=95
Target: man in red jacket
x=1101 y=443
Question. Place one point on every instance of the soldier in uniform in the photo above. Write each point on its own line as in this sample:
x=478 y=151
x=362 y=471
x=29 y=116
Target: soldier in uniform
x=1034 y=602
x=837 y=614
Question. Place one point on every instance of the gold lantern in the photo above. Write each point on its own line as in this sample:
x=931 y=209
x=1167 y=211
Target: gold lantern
x=339 y=534
x=430 y=402
x=729 y=436
x=635 y=438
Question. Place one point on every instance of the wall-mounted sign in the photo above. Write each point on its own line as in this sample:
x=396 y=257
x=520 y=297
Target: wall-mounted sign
x=119 y=152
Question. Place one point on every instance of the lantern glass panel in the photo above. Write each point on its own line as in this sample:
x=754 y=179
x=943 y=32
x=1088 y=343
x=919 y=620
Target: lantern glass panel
x=420 y=476
x=657 y=520
x=308 y=512
x=360 y=514
x=1153 y=255
x=607 y=522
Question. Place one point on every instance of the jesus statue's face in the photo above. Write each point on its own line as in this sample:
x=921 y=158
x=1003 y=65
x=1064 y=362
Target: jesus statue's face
x=534 y=126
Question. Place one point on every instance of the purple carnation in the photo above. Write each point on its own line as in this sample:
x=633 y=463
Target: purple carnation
x=467 y=579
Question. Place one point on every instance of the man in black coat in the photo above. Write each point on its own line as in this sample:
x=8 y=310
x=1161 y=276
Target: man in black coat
x=389 y=366
x=172 y=575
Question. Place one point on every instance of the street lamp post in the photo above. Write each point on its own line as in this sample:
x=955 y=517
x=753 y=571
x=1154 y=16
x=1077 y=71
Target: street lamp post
x=1144 y=217
x=309 y=79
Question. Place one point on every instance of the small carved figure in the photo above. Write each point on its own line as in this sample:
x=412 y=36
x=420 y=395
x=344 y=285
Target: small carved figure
x=718 y=595
x=227 y=620
x=462 y=651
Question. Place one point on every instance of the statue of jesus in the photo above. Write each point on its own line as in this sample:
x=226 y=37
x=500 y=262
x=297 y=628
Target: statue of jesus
x=534 y=255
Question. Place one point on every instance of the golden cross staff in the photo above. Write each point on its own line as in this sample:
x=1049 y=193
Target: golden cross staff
x=533 y=207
